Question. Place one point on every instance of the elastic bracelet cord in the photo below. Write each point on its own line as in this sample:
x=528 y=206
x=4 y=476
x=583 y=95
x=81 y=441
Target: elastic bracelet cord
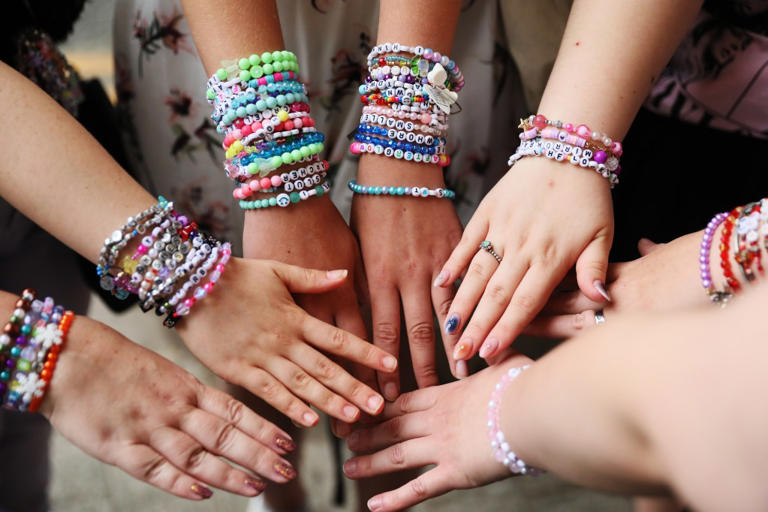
x=502 y=452
x=418 y=192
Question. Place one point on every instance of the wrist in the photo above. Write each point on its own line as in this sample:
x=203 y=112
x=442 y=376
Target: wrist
x=375 y=170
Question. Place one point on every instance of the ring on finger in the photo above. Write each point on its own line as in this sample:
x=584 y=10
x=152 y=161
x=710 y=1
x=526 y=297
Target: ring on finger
x=599 y=316
x=487 y=246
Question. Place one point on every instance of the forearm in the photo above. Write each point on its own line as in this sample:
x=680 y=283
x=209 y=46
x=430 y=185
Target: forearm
x=641 y=405
x=56 y=174
x=610 y=56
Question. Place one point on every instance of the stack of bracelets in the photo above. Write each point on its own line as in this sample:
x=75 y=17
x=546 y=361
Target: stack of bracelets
x=262 y=109
x=407 y=97
x=740 y=238
x=30 y=345
x=173 y=267
x=567 y=142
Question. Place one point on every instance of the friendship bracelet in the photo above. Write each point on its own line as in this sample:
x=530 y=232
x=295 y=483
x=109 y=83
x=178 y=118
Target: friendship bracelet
x=393 y=123
x=427 y=54
x=358 y=148
x=423 y=192
x=540 y=122
x=434 y=120
x=747 y=250
x=313 y=173
x=502 y=452
x=402 y=136
x=716 y=296
x=725 y=250
x=284 y=200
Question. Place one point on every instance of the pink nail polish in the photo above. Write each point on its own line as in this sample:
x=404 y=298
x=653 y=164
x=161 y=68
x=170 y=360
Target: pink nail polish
x=441 y=278
x=256 y=485
x=284 y=443
x=600 y=287
x=489 y=347
x=285 y=470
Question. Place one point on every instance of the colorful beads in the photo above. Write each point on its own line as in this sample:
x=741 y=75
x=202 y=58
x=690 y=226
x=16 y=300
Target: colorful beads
x=714 y=295
x=418 y=192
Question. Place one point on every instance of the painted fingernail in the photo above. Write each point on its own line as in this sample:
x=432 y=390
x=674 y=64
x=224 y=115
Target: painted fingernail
x=489 y=347
x=201 y=491
x=441 y=278
x=284 y=443
x=284 y=469
x=349 y=467
x=389 y=362
x=256 y=485
x=374 y=504
x=462 y=349
x=461 y=369
x=600 y=287
x=374 y=403
x=350 y=411
x=309 y=418
x=452 y=324
x=390 y=391
x=335 y=275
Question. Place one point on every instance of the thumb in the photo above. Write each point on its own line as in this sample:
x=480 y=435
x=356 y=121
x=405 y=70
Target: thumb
x=591 y=268
x=305 y=280
x=645 y=246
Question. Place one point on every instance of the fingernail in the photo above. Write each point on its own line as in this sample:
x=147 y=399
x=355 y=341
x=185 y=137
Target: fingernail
x=390 y=391
x=349 y=467
x=310 y=418
x=600 y=287
x=462 y=349
x=389 y=362
x=489 y=347
x=374 y=504
x=461 y=369
x=350 y=411
x=201 y=491
x=284 y=443
x=374 y=403
x=256 y=485
x=285 y=469
x=335 y=275
x=441 y=278
x=452 y=324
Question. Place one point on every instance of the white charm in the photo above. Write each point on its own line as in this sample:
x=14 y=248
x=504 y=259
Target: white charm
x=437 y=91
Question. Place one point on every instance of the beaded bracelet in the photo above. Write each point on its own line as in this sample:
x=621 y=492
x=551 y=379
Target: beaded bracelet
x=457 y=78
x=716 y=296
x=433 y=120
x=423 y=192
x=502 y=452
x=315 y=171
x=540 y=122
x=404 y=146
x=393 y=123
x=401 y=135
x=284 y=200
x=357 y=148
x=747 y=237
x=253 y=163
x=255 y=63
x=218 y=90
x=725 y=250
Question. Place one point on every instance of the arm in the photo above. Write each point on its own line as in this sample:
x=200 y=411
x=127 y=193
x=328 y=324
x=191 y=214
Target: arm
x=545 y=216
x=637 y=407
x=405 y=240
x=85 y=196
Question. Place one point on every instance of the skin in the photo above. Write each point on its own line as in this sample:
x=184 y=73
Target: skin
x=589 y=412
x=133 y=409
x=87 y=196
x=543 y=218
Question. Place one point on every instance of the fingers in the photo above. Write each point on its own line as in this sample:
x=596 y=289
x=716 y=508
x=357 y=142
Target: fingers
x=385 y=312
x=333 y=377
x=591 y=268
x=429 y=485
x=561 y=326
x=225 y=439
x=496 y=298
x=235 y=412
x=394 y=430
x=407 y=403
x=420 y=325
x=527 y=301
x=341 y=343
x=441 y=301
x=645 y=246
x=304 y=280
x=272 y=391
x=473 y=234
x=570 y=303
x=413 y=453
x=187 y=454
x=145 y=464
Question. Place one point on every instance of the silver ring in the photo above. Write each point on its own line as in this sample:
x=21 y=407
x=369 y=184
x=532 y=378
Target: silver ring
x=599 y=316
x=487 y=246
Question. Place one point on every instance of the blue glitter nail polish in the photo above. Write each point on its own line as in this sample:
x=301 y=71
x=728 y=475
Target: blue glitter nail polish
x=452 y=324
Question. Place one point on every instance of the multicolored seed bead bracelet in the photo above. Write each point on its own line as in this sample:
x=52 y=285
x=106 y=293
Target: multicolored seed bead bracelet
x=423 y=192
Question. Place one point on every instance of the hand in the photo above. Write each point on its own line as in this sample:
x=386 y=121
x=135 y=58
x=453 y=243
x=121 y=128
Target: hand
x=542 y=217
x=131 y=408
x=666 y=277
x=251 y=333
x=441 y=425
x=404 y=241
